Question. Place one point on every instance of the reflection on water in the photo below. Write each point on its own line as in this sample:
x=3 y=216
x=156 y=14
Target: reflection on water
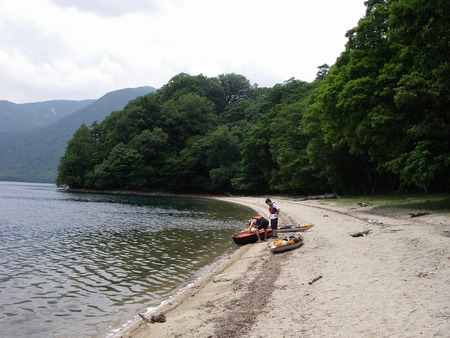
x=73 y=264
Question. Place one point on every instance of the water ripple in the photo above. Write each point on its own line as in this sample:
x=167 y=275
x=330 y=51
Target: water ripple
x=72 y=264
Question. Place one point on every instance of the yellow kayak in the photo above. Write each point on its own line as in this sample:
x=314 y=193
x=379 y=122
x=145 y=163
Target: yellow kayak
x=286 y=243
x=295 y=227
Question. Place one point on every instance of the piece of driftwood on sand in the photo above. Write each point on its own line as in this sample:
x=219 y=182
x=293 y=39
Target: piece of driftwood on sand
x=361 y=233
x=320 y=197
x=420 y=213
x=315 y=279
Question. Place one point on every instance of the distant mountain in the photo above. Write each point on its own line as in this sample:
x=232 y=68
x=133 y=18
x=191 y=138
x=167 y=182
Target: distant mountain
x=33 y=155
x=24 y=116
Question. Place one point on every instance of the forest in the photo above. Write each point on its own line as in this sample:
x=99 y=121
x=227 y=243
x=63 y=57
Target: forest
x=377 y=121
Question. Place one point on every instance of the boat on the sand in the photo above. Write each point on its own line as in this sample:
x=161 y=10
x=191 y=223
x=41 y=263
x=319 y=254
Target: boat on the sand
x=246 y=237
x=286 y=243
x=295 y=227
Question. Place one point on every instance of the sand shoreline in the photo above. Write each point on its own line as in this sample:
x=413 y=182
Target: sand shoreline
x=393 y=282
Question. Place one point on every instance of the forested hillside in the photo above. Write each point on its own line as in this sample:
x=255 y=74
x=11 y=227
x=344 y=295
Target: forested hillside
x=33 y=155
x=376 y=121
x=24 y=116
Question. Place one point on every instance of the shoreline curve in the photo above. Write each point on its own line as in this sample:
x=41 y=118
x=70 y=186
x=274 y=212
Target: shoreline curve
x=392 y=282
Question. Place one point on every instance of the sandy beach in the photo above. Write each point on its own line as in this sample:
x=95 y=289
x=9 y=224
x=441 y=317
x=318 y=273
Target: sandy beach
x=393 y=282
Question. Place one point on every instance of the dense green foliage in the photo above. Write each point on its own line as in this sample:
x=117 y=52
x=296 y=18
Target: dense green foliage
x=377 y=120
x=384 y=105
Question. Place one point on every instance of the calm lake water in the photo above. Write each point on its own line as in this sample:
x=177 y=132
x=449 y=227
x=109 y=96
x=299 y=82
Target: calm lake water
x=82 y=265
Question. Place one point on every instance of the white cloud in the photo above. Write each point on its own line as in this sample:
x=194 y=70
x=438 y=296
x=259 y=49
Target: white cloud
x=109 y=8
x=51 y=49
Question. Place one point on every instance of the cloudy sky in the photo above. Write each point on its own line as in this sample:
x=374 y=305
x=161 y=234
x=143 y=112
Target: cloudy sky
x=82 y=49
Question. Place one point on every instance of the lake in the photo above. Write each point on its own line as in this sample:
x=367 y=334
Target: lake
x=84 y=265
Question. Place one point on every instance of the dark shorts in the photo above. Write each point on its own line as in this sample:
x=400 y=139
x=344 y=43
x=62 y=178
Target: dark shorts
x=264 y=224
x=274 y=223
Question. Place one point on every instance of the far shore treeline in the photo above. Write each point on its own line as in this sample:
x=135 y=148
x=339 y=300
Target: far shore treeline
x=376 y=121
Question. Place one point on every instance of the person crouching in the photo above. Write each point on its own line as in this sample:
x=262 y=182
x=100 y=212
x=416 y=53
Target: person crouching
x=259 y=222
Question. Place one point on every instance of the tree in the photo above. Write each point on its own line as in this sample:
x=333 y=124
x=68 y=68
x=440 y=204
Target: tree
x=183 y=84
x=186 y=116
x=235 y=87
x=124 y=168
x=419 y=30
x=223 y=158
x=154 y=148
x=346 y=110
x=78 y=159
x=322 y=71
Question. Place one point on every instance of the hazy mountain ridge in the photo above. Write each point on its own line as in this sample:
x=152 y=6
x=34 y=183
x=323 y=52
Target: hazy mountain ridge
x=24 y=116
x=33 y=155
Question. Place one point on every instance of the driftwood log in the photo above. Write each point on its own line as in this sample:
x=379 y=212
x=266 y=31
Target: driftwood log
x=320 y=197
x=418 y=214
x=315 y=279
x=361 y=233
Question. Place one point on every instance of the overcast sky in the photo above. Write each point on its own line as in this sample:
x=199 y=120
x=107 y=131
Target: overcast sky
x=82 y=49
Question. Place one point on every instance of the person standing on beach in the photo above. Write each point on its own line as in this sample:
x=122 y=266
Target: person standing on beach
x=259 y=222
x=274 y=212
